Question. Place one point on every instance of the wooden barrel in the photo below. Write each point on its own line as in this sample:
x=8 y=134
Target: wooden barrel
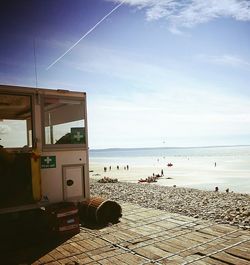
x=100 y=211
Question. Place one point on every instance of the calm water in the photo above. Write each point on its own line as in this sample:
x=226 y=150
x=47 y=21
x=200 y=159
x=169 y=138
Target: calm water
x=193 y=167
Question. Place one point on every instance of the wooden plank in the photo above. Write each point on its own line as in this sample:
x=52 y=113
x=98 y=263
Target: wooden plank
x=167 y=225
x=46 y=259
x=64 y=252
x=65 y=261
x=98 y=251
x=196 y=237
x=107 y=254
x=239 y=253
x=224 y=229
x=211 y=231
x=71 y=249
x=115 y=261
x=181 y=243
x=200 y=262
x=211 y=261
x=147 y=252
x=168 y=247
x=176 y=260
x=53 y=263
x=127 y=260
x=230 y=259
x=88 y=244
x=132 y=259
x=111 y=238
x=104 y=262
x=77 y=246
x=157 y=251
x=201 y=234
x=95 y=257
x=56 y=254
x=130 y=234
x=85 y=260
x=83 y=245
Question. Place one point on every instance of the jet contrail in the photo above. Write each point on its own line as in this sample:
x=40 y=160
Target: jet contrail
x=85 y=35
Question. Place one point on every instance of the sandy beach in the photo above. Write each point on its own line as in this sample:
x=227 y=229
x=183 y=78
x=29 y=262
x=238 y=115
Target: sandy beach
x=199 y=173
x=199 y=168
x=221 y=207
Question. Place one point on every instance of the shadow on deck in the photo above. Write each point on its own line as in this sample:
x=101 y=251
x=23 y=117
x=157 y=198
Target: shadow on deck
x=144 y=236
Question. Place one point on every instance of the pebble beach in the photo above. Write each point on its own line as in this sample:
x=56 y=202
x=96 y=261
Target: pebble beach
x=221 y=207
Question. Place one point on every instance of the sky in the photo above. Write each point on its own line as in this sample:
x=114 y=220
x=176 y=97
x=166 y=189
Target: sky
x=158 y=73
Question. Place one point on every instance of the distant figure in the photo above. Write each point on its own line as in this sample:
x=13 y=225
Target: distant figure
x=216 y=189
x=227 y=190
x=214 y=164
x=127 y=167
x=117 y=167
x=174 y=186
x=162 y=173
x=109 y=167
x=105 y=169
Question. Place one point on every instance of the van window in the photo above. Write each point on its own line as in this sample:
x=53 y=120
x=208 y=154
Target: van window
x=15 y=121
x=64 y=122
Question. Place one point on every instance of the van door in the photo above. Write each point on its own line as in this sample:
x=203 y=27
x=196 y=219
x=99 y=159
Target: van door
x=73 y=182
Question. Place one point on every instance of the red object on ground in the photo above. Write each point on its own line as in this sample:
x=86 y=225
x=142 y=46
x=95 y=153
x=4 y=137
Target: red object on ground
x=63 y=218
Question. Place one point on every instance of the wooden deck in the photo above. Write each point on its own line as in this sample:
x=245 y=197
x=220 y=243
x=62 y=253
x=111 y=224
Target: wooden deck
x=149 y=236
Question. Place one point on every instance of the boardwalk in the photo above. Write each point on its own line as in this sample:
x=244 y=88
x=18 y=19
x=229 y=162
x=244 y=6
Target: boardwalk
x=149 y=236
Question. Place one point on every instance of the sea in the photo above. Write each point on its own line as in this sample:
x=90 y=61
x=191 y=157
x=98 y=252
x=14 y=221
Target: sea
x=225 y=167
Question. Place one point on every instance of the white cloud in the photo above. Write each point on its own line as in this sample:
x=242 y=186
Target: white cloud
x=187 y=14
x=167 y=114
x=123 y=65
x=225 y=60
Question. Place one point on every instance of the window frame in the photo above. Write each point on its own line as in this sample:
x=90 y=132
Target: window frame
x=55 y=147
x=32 y=116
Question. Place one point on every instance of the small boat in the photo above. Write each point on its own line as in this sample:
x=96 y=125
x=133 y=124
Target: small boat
x=170 y=164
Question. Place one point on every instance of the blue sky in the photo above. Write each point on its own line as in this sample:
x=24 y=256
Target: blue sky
x=157 y=73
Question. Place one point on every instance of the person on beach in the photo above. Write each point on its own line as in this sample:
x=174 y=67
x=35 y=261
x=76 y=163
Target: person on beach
x=216 y=189
x=127 y=167
x=110 y=168
x=162 y=173
x=214 y=164
x=117 y=167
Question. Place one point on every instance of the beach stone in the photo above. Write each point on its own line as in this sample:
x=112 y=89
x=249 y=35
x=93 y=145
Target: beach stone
x=220 y=207
x=246 y=213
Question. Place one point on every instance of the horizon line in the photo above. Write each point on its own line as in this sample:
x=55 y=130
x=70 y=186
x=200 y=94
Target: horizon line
x=170 y=147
